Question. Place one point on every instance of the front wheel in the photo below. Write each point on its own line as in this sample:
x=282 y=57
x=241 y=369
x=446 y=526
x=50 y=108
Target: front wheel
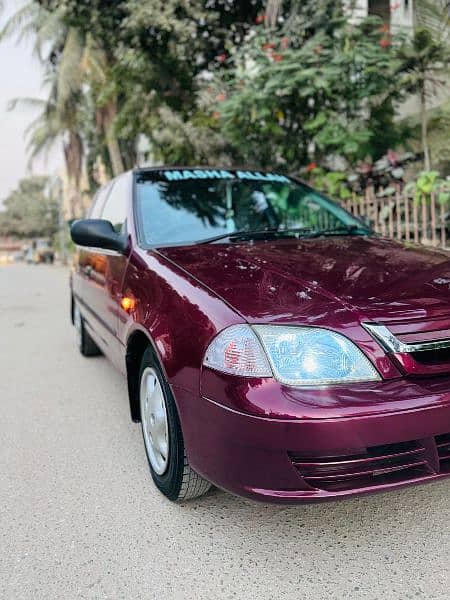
x=163 y=439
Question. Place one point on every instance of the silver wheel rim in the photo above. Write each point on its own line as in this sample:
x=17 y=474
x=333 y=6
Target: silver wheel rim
x=154 y=420
x=78 y=326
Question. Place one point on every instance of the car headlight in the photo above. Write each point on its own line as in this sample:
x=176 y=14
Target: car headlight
x=296 y=356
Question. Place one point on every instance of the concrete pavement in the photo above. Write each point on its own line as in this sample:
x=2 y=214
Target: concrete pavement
x=80 y=518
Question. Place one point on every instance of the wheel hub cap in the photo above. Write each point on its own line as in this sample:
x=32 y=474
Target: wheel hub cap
x=154 y=420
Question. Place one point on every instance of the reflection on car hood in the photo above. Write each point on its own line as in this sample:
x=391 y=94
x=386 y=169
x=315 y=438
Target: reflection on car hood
x=303 y=280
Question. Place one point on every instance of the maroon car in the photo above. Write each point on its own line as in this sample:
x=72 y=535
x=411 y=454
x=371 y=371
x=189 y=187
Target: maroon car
x=273 y=345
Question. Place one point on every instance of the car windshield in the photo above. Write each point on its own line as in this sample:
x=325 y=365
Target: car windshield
x=197 y=205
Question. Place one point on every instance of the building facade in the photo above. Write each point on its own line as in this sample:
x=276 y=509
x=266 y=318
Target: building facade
x=395 y=13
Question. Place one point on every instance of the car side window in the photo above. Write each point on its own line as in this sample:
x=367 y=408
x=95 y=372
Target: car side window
x=115 y=208
x=99 y=201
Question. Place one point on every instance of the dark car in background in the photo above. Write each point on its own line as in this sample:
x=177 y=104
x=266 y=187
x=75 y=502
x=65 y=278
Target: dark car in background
x=273 y=345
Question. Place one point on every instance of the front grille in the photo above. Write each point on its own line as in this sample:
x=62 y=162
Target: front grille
x=425 y=332
x=443 y=446
x=432 y=357
x=375 y=466
x=419 y=348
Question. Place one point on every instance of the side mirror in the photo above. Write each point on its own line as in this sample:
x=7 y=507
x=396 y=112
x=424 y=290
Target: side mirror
x=98 y=233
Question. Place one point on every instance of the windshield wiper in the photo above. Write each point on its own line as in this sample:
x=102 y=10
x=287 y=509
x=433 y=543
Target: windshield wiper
x=307 y=232
x=238 y=234
x=254 y=233
x=355 y=229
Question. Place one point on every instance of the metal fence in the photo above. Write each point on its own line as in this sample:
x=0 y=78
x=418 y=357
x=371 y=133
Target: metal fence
x=403 y=217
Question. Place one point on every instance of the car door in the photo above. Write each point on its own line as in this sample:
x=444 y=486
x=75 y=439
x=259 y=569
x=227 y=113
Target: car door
x=87 y=278
x=108 y=269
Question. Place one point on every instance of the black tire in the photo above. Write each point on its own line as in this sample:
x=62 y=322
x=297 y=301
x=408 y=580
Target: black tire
x=179 y=481
x=85 y=343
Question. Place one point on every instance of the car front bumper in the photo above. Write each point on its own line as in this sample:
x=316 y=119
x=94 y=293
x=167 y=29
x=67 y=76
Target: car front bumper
x=315 y=459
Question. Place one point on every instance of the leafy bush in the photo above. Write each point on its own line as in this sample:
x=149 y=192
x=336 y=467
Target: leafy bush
x=285 y=100
x=332 y=183
x=427 y=183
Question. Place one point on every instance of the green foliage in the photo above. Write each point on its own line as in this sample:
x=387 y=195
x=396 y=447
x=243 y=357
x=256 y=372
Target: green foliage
x=424 y=58
x=433 y=15
x=224 y=82
x=332 y=183
x=427 y=183
x=154 y=53
x=31 y=210
x=310 y=95
x=62 y=115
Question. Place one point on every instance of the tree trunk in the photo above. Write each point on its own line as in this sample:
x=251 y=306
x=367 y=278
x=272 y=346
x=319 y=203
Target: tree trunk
x=73 y=201
x=424 y=125
x=273 y=8
x=70 y=197
x=115 y=156
x=73 y=154
x=114 y=153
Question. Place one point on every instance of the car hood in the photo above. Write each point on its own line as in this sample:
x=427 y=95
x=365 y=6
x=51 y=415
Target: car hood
x=321 y=280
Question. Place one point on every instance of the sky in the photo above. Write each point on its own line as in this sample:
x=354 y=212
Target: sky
x=20 y=76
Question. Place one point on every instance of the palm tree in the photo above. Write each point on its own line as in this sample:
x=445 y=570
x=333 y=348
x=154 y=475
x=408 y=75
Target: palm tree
x=56 y=125
x=32 y=20
x=433 y=15
x=424 y=60
x=97 y=70
x=83 y=69
x=60 y=118
x=75 y=67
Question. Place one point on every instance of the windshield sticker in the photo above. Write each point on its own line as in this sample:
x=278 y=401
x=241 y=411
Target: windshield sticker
x=186 y=174
x=257 y=176
x=197 y=174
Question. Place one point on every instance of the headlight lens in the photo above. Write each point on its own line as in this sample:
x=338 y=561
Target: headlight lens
x=309 y=356
x=296 y=356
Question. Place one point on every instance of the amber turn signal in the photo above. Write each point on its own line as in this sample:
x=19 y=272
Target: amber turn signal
x=128 y=303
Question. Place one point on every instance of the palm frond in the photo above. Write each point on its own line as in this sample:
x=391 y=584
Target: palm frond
x=94 y=61
x=49 y=34
x=434 y=15
x=23 y=22
x=70 y=74
x=26 y=103
x=42 y=120
x=40 y=143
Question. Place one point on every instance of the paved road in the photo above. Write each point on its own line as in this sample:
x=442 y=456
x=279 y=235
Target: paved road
x=79 y=517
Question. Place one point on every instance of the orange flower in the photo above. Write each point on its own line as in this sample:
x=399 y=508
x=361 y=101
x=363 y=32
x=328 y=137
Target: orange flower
x=277 y=57
x=220 y=97
x=268 y=46
x=311 y=167
x=260 y=19
x=216 y=115
x=221 y=58
x=385 y=42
